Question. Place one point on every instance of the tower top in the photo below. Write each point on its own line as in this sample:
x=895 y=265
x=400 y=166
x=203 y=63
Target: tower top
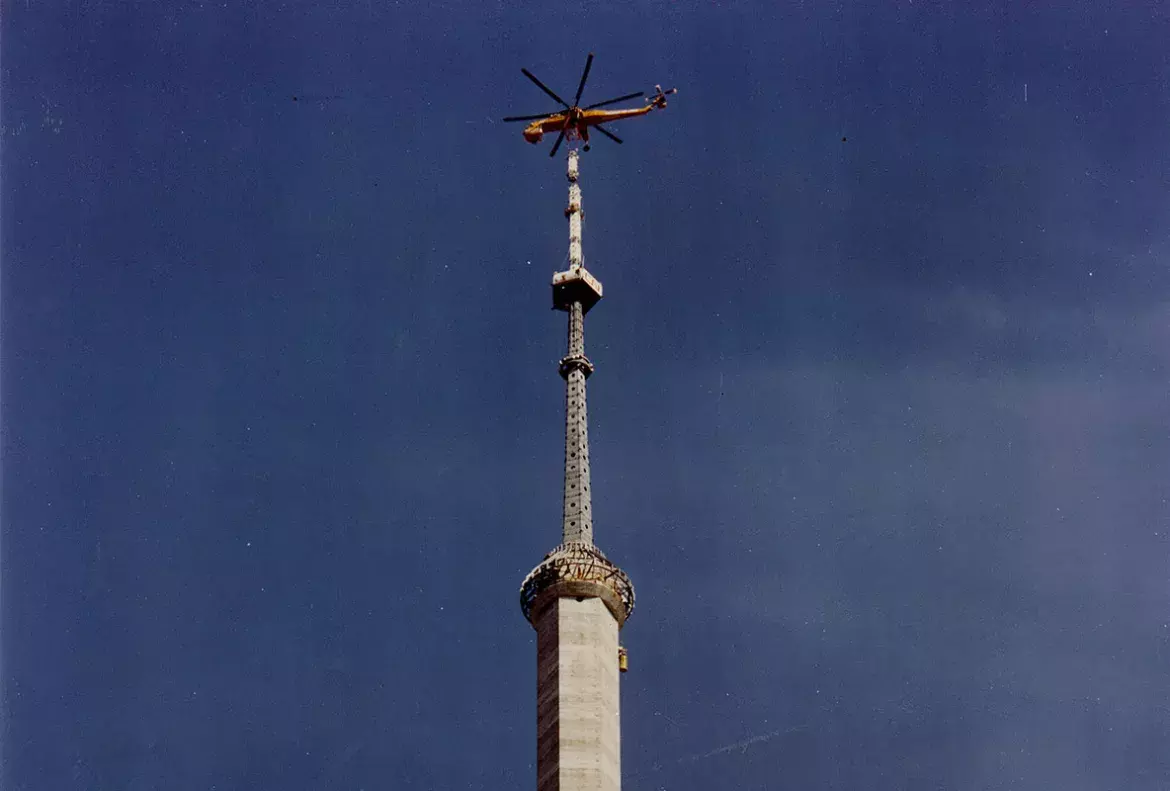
x=576 y=567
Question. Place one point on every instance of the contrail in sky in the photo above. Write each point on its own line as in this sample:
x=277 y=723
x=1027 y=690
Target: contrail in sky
x=743 y=745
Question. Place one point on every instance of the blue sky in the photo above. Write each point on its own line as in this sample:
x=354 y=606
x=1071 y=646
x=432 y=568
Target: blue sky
x=879 y=421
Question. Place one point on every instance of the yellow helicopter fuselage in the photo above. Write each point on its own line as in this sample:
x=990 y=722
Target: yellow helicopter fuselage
x=579 y=121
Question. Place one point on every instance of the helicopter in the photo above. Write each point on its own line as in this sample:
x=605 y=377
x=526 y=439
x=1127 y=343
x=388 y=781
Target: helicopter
x=575 y=121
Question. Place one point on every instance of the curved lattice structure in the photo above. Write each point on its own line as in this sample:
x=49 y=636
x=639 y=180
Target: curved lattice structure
x=577 y=568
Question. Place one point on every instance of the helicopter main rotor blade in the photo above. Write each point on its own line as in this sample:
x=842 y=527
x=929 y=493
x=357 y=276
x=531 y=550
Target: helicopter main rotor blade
x=560 y=138
x=615 y=101
x=543 y=87
x=530 y=117
x=607 y=133
x=585 y=76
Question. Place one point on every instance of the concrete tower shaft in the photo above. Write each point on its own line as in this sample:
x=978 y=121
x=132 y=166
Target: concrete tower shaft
x=576 y=599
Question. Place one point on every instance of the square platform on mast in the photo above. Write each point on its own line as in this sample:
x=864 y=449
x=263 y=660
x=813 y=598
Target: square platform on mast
x=575 y=285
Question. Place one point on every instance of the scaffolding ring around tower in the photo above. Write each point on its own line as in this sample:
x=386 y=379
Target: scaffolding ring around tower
x=577 y=568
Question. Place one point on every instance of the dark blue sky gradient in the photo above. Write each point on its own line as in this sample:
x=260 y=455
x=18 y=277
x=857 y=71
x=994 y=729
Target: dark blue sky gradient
x=879 y=419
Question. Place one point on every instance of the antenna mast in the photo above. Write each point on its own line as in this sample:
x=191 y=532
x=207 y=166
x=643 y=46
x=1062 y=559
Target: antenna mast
x=575 y=291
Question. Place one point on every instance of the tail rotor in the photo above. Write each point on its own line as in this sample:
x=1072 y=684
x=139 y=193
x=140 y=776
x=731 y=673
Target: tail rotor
x=659 y=100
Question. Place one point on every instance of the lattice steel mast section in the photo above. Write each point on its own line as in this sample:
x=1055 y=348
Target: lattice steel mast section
x=576 y=599
x=575 y=291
